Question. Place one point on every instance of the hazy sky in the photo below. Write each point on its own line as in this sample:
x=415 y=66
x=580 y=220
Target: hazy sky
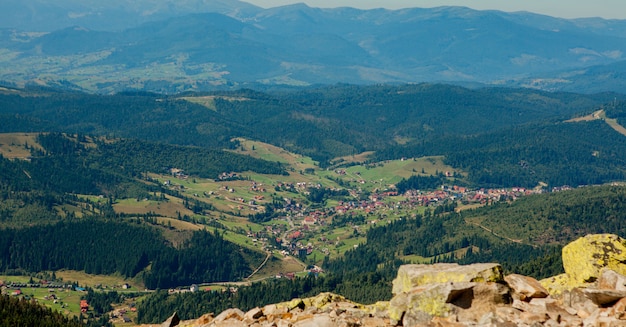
x=557 y=8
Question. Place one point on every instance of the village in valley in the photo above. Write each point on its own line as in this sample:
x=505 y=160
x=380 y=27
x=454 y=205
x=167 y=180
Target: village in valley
x=309 y=227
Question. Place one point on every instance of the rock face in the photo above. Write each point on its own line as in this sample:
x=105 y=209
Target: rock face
x=472 y=295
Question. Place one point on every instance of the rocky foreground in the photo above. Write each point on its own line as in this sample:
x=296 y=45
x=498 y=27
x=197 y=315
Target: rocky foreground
x=591 y=292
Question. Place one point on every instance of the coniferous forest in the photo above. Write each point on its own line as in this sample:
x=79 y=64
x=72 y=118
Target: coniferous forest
x=87 y=246
x=19 y=312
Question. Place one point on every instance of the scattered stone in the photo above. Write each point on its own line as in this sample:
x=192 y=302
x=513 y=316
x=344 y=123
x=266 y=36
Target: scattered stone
x=609 y=279
x=315 y=321
x=253 y=314
x=603 y=297
x=229 y=314
x=374 y=322
x=450 y=295
x=525 y=287
x=205 y=319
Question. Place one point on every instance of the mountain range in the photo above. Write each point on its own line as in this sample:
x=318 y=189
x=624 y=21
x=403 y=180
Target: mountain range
x=201 y=45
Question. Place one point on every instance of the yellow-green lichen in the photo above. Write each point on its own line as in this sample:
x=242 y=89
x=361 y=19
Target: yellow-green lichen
x=434 y=306
x=584 y=258
x=411 y=276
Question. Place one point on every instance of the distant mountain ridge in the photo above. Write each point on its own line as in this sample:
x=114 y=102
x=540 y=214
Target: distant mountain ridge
x=200 y=45
x=113 y=15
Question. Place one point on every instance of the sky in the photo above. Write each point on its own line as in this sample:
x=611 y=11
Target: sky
x=610 y=9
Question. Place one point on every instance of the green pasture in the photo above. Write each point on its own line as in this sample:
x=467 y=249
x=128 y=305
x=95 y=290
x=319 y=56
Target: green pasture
x=381 y=175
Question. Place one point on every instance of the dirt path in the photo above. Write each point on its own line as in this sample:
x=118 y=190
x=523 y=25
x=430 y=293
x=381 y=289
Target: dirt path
x=269 y=255
x=617 y=127
x=601 y=114
x=496 y=234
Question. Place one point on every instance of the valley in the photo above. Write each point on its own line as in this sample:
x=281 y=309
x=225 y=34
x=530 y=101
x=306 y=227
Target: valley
x=281 y=210
x=279 y=215
x=165 y=160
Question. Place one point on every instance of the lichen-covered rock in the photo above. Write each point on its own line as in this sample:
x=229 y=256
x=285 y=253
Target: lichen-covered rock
x=558 y=284
x=411 y=276
x=398 y=306
x=421 y=304
x=378 y=309
x=323 y=300
x=472 y=295
x=584 y=258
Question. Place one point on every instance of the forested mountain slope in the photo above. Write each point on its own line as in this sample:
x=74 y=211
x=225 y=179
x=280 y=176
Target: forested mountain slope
x=500 y=136
x=325 y=122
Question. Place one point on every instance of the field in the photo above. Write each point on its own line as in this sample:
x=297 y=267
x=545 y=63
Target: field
x=65 y=301
x=111 y=282
x=16 y=145
x=170 y=208
x=209 y=101
x=383 y=175
x=273 y=153
x=279 y=264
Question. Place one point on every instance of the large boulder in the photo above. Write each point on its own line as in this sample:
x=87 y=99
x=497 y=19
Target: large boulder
x=423 y=303
x=558 y=284
x=584 y=258
x=411 y=276
x=423 y=292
